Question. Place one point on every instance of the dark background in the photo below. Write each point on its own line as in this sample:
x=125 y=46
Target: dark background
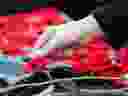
x=78 y=9
x=74 y=8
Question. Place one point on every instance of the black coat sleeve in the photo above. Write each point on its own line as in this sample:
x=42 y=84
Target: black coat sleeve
x=113 y=20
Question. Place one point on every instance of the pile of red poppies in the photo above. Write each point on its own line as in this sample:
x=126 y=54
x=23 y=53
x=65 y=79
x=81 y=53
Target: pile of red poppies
x=22 y=30
x=92 y=57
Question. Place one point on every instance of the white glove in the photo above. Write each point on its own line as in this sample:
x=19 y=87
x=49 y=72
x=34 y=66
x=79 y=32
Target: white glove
x=69 y=33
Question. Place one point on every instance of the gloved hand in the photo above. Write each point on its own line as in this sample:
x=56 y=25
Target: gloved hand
x=63 y=35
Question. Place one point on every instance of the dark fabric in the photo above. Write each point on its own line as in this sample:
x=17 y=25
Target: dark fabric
x=113 y=20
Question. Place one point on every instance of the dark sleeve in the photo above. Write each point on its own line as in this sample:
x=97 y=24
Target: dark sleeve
x=104 y=17
x=113 y=21
x=78 y=9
